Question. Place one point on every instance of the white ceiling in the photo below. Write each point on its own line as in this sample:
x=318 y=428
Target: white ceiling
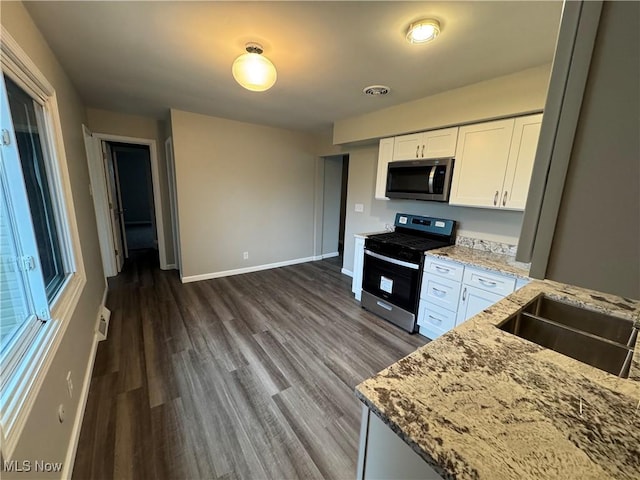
x=145 y=57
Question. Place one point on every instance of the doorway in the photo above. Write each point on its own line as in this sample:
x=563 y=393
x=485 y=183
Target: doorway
x=336 y=176
x=108 y=159
x=134 y=190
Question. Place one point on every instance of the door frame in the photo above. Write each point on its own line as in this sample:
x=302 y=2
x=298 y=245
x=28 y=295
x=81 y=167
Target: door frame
x=173 y=202
x=157 y=198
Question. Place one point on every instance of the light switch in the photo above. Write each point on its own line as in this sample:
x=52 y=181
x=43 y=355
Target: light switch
x=359 y=207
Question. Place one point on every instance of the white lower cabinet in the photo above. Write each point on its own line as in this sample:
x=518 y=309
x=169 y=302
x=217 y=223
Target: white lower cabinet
x=474 y=300
x=383 y=455
x=358 y=263
x=451 y=293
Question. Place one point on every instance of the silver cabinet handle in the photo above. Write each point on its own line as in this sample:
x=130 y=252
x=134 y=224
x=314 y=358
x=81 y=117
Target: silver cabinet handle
x=488 y=283
x=417 y=151
x=438 y=320
x=495 y=198
x=504 y=198
x=464 y=294
x=442 y=269
x=422 y=155
x=438 y=292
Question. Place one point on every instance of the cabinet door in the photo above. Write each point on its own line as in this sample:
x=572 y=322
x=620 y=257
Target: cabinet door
x=439 y=143
x=473 y=301
x=481 y=163
x=434 y=320
x=523 y=152
x=407 y=147
x=440 y=291
x=385 y=154
x=358 y=263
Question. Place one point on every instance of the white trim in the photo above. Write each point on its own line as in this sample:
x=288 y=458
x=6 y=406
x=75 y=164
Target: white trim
x=43 y=350
x=155 y=176
x=239 y=271
x=70 y=458
x=173 y=202
x=98 y=188
x=330 y=255
x=346 y=272
x=84 y=395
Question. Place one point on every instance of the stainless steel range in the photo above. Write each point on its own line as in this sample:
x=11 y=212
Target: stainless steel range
x=393 y=264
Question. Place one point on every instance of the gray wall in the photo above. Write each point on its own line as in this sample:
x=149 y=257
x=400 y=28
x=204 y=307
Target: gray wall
x=500 y=226
x=331 y=203
x=44 y=437
x=242 y=187
x=597 y=238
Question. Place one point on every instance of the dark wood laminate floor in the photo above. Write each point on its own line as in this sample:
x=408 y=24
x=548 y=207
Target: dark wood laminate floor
x=248 y=377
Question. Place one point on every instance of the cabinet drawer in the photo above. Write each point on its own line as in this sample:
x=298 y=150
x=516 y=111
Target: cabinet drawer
x=443 y=268
x=489 y=282
x=441 y=291
x=434 y=320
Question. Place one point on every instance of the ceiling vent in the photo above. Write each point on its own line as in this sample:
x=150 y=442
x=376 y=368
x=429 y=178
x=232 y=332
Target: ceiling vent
x=376 y=90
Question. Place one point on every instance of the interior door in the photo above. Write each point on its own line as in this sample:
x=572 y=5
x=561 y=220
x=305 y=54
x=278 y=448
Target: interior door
x=120 y=205
x=100 y=201
x=114 y=209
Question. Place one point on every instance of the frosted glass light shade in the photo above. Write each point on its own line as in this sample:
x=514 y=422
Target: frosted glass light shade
x=254 y=72
x=423 y=31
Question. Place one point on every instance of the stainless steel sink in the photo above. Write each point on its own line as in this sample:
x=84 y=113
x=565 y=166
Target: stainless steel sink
x=602 y=341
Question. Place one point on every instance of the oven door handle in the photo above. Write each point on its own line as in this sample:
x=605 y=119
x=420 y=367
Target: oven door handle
x=412 y=266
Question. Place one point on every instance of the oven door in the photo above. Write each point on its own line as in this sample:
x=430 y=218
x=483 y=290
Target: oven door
x=395 y=281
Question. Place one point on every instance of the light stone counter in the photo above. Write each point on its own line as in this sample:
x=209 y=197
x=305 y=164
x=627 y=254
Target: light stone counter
x=480 y=403
x=487 y=260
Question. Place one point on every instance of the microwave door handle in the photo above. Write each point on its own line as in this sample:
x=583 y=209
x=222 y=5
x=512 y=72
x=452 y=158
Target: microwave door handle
x=432 y=175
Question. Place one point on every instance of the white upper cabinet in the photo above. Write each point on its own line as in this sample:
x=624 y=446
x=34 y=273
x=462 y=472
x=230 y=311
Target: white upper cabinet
x=523 y=152
x=432 y=144
x=481 y=163
x=385 y=155
x=493 y=163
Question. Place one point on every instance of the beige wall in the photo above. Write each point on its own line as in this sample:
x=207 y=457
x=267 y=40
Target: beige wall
x=242 y=187
x=44 y=437
x=114 y=123
x=509 y=95
x=597 y=238
x=500 y=226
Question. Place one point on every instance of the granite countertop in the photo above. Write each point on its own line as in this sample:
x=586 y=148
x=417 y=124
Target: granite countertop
x=480 y=403
x=486 y=260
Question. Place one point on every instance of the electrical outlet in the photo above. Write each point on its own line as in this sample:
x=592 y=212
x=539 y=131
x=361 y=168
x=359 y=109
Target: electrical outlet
x=359 y=207
x=245 y=255
x=69 y=384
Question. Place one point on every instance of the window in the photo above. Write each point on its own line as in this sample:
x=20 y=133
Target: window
x=41 y=272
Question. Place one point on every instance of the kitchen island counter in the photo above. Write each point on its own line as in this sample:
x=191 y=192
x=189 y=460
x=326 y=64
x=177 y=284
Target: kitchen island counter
x=482 y=403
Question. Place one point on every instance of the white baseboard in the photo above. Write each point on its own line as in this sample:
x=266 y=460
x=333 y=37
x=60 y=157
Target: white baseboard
x=171 y=266
x=84 y=395
x=346 y=272
x=238 y=271
x=330 y=255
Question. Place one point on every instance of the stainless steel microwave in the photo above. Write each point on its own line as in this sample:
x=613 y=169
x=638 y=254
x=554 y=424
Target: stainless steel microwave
x=428 y=179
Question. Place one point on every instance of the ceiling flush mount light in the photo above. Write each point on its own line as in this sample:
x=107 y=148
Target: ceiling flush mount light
x=254 y=71
x=423 y=31
x=376 y=90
